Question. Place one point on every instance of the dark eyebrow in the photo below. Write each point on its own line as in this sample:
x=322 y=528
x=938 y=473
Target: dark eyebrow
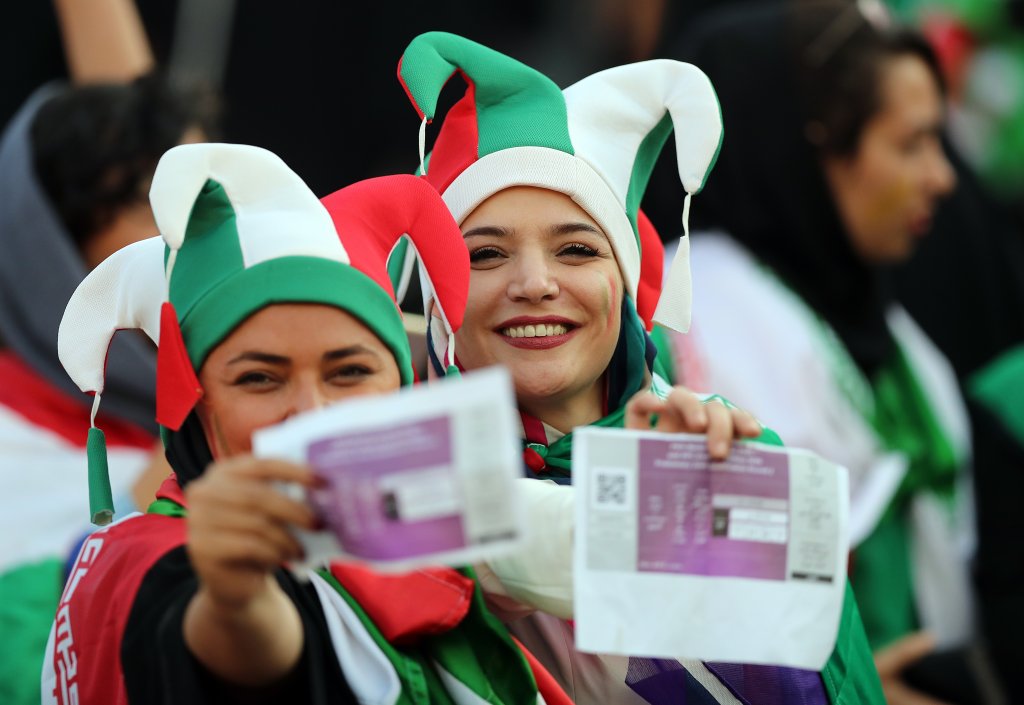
x=495 y=230
x=560 y=229
x=342 y=353
x=570 y=228
x=254 y=356
x=280 y=360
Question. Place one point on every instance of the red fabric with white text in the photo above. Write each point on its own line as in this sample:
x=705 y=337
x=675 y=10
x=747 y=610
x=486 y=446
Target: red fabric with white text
x=85 y=662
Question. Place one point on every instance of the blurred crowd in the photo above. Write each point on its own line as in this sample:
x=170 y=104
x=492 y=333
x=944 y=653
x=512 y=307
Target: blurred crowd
x=857 y=256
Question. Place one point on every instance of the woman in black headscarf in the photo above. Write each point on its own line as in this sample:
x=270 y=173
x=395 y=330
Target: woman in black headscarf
x=830 y=171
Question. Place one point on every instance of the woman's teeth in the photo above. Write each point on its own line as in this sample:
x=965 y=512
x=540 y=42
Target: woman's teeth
x=539 y=330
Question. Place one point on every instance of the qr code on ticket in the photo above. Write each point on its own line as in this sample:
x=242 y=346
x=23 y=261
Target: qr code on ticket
x=612 y=489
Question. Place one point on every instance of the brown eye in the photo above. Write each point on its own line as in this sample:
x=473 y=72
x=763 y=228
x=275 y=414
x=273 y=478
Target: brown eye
x=254 y=380
x=578 y=249
x=348 y=374
x=484 y=254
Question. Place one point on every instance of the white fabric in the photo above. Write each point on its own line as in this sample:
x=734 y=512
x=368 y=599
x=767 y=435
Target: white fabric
x=367 y=671
x=675 y=304
x=759 y=347
x=710 y=681
x=551 y=169
x=45 y=500
x=125 y=291
x=276 y=213
x=539 y=575
x=611 y=112
x=459 y=692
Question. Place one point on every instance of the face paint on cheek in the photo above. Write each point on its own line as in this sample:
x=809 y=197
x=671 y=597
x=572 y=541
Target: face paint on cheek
x=611 y=297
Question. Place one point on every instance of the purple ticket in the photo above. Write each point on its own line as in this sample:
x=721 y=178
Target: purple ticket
x=391 y=494
x=700 y=517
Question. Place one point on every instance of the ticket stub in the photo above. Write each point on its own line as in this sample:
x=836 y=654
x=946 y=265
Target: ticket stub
x=422 y=477
x=678 y=556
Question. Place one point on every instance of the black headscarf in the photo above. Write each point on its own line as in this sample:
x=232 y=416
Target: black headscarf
x=768 y=190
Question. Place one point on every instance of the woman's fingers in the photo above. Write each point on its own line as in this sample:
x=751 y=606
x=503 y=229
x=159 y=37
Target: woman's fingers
x=894 y=659
x=266 y=469
x=640 y=408
x=239 y=523
x=720 y=430
x=891 y=660
x=273 y=533
x=745 y=425
x=684 y=413
x=254 y=497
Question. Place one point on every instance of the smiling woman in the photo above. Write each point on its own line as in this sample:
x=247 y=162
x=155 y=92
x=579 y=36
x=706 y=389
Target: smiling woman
x=546 y=186
x=280 y=303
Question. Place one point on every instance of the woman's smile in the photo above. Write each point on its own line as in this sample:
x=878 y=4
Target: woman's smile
x=537 y=333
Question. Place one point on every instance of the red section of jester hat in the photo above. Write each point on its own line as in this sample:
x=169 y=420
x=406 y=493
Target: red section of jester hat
x=177 y=387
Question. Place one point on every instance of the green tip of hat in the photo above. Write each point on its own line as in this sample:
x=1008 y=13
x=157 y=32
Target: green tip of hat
x=515 y=105
x=101 y=500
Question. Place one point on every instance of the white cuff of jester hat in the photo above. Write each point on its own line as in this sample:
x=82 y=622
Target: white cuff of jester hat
x=552 y=169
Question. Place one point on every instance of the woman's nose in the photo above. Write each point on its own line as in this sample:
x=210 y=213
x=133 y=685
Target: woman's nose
x=942 y=175
x=532 y=280
x=309 y=396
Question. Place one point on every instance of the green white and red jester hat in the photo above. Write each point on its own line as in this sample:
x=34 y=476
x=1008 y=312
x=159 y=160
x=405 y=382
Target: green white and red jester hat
x=596 y=141
x=241 y=231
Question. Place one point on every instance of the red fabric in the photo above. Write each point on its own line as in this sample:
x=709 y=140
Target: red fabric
x=652 y=269
x=458 y=143
x=93 y=611
x=29 y=395
x=533 y=429
x=408 y=607
x=370 y=217
x=408 y=93
x=177 y=387
x=533 y=460
x=546 y=684
x=170 y=489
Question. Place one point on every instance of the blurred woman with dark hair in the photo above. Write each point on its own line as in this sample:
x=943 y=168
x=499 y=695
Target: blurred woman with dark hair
x=831 y=171
x=75 y=166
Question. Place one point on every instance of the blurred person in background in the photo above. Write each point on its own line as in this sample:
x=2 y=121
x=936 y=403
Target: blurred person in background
x=970 y=300
x=75 y=165
x=831 y=171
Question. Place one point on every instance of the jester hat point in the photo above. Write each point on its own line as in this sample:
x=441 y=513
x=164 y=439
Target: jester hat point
x=596 y=141
x=240 y=231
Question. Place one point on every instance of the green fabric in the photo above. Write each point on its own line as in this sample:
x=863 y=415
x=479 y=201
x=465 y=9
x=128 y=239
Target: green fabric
x=646 y=156
x=850 y=677
x=515 y=104
x=999 y=386
x=211 y=252
x=479 y=652
x=896 y=407
x=28 y=600
x=882 y=576
x=664 y=363
x=396 y=262
x=101 y=500
x=166 y=507
x=296 y=280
